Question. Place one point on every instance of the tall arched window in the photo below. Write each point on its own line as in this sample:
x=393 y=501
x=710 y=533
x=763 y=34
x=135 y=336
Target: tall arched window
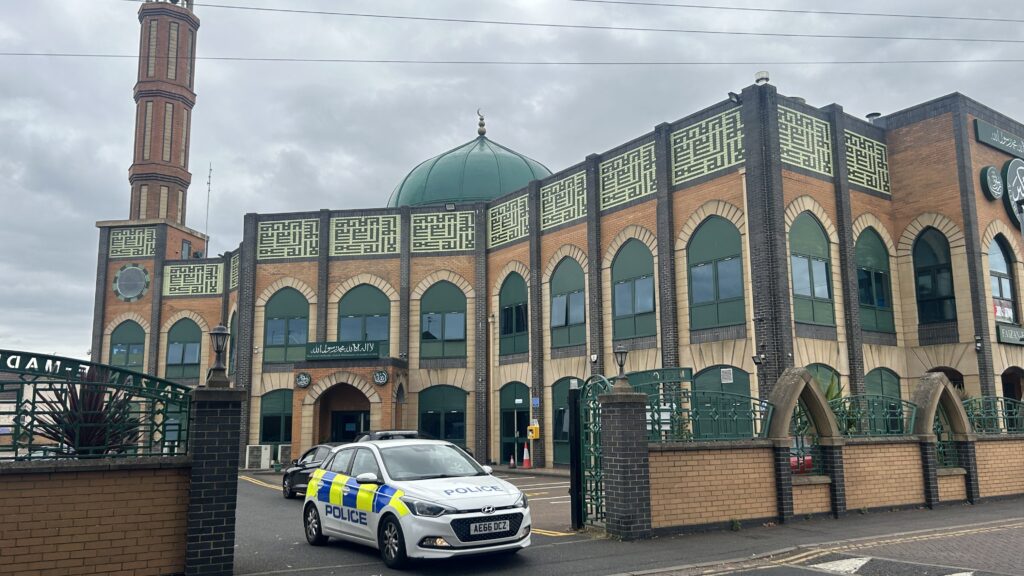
x=443 y=322
x=443 y=413
x=874 y=283
x=232 y=337
x=721 y=396
x=933 y=275
x=633 y=292
x=363 y=316
x=827 y=379
x=716 y=275
x=882 y=382
x=184 y=342
x=276 y=417
x=513 y=336
x=128 y=345
x=568 y=309
x=1001 y=280
x=287 y=327
x=812 y=273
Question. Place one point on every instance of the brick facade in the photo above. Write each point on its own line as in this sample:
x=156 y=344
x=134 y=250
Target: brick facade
x=883 y=475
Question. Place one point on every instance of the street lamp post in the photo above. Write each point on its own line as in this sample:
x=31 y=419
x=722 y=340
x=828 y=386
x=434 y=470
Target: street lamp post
x=217 y=376
x=621 y=383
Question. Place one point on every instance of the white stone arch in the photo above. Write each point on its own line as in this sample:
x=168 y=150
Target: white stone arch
x=206 y=350
x=415 y=306
x=949 y=229
x=809 y=204
x=286 y=282
x=869 y=220
x=512 y=266
x=371 y=280
x=108 y=331
x=631 y=232
x=442 y=275
x=313 y=393
x=641 y=358
x=719 y=208
x=563 y=252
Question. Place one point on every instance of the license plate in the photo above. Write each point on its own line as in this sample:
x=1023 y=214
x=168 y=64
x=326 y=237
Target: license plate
x=489 y=527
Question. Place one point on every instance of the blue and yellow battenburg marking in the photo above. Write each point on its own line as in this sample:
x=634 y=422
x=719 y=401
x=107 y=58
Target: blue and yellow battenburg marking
x=341 y=490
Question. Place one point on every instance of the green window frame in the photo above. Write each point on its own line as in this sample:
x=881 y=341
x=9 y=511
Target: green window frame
x=874 y=283
x=1000 y=266
x=443 y=322
x=286 y=327
x=721 y=415
x=443 y=413
x=364 y=315
x=882 y=382
x=232 y=331
x=933 y=278
x=513 y=334
x=184 y=350
x=568 y=305
x=715 y=275
x=633 y=301
x=276 y=417
x=827 y=379
x=811 y=272
x=128 y=345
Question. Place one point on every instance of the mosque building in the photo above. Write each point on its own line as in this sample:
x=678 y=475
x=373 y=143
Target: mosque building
x=756 y=234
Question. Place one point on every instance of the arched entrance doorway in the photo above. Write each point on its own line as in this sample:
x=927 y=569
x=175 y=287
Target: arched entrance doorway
x=515 y=417
x=1012 y=382
x=443 y=413
x=343 y=414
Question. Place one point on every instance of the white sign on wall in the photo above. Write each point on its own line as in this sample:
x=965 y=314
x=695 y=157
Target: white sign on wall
x=727 y=376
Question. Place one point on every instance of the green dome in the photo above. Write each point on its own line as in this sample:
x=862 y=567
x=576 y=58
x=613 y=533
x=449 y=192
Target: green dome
x=479 y=170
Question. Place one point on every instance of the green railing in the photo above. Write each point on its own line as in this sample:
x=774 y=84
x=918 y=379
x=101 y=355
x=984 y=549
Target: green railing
x=870 y=415
x=995 y=415
x=60 y=408
x=590 y=448
x=804 y=452
x=945 y=448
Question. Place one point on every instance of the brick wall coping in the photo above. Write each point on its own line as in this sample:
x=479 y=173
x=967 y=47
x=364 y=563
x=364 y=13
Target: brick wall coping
x=710 y=445
x=809 y=480
x=904 y=439
x=616 y=397
x=999 y=438
x=99 y=465
x=951 y=472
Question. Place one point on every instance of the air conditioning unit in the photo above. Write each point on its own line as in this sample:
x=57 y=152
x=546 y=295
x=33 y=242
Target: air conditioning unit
x=257 y=456
x=284 y=454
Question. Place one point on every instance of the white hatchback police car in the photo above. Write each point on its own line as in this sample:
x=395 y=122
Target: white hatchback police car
x=414 y=499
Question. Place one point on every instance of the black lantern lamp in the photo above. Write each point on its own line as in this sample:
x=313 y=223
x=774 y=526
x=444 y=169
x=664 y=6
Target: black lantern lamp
x=621 y=382
x=217 y=377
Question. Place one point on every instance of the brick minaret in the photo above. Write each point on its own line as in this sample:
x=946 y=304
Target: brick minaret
x=164 y=98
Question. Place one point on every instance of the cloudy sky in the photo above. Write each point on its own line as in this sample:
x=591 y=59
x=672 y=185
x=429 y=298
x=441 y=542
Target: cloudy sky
x=303 y=136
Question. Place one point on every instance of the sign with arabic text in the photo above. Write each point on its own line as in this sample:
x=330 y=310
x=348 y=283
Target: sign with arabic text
x=342 y=350
x=998 y=138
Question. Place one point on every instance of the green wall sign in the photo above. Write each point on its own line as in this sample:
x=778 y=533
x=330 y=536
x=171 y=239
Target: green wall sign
x=1013 y=180
x=1008 y=334
x=342 y=350
x=992 y=182
x=998 y=138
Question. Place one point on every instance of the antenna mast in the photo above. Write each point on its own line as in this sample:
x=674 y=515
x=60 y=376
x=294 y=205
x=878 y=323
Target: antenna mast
x=206 y=229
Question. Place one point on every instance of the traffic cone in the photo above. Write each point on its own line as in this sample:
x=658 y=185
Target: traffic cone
x=526 y=457
x=512 y=460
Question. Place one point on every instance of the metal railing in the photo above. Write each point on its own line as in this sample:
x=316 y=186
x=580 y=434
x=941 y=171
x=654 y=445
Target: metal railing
x=678 y=414
x=871 y=415
x=804 y=451
x=995 y=415
x=60 y=408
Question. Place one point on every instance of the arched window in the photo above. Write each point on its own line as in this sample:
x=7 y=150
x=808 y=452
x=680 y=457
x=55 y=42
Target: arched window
x=287 y=327
x=882 y=382
x=232 y=337
x=883 y=416
x=827 y=379
x=954 y=376
x=363 y=316
x=722 y=405
x=276 y=417
x=716 y=275
x=568 y=310
x=443 y=322
x=812 y=274
x=633 y=292
x=128 y=345
x=874 y=283
x=1001 y=280
x=933 y=274
x=513 y=336
x=184 y=342
x=443 y=413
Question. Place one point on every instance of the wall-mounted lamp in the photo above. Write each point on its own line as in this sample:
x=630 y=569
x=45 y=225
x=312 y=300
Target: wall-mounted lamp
x=977 y=344
x=758 y=359
x=450 y=207
x=735 y=98
x=593 y=358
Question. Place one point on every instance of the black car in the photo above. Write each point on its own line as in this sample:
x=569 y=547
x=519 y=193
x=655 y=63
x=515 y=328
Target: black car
x=391 y=435
x=296 y=476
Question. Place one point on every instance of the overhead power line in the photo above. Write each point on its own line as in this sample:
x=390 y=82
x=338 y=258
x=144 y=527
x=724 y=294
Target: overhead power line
x=794 y=11
x=530 y=62
x=602 y=27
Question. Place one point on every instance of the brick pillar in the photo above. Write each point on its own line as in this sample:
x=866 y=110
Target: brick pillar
x=832 y=464
x=930 y=469
x=783 y=481
x=214 y=446
x=624 y=465
x=968 y=459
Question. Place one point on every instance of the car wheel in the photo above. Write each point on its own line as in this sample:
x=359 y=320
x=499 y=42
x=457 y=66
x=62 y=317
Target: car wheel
x=286 y=489
x=313 y=529
x=392 y=543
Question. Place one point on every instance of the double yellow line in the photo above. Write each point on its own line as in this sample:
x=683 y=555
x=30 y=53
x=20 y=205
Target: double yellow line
x=252 y=480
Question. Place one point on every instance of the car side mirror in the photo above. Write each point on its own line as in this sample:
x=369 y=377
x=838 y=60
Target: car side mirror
x=294 y=462
x=488 y=469
x=367 y=478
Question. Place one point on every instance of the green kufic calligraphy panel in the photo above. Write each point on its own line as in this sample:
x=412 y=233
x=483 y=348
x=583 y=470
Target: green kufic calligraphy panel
x=806 y=141
x=193 y=279
x=627 y=177
x=235 y=261
x=364 y=235
x=288 y=239
x=508 y=221
x=563 y=201
x=707 y=146
x=867 y=162
x=443 y=232
x=132 y=243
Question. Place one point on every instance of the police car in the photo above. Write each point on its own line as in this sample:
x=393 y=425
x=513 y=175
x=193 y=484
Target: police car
x=414 y=499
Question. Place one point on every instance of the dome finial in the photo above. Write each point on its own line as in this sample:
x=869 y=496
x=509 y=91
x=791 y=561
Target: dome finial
x=481 y=129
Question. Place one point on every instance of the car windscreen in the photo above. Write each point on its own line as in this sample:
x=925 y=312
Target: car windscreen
x=426 y=461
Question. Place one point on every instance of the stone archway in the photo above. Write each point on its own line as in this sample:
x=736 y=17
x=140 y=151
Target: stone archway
x=337 y=407
x=796 y=385
x=935 y=391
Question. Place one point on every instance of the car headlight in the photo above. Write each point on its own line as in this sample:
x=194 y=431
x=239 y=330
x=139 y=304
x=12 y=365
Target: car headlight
x=425 y=508
x=523 y=501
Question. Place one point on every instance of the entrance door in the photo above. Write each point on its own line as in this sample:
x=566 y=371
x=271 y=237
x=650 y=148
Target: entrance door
x=346 y=426
x=722 y=404
x=515 y=417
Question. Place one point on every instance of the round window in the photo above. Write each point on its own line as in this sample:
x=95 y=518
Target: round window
x=131 y=282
